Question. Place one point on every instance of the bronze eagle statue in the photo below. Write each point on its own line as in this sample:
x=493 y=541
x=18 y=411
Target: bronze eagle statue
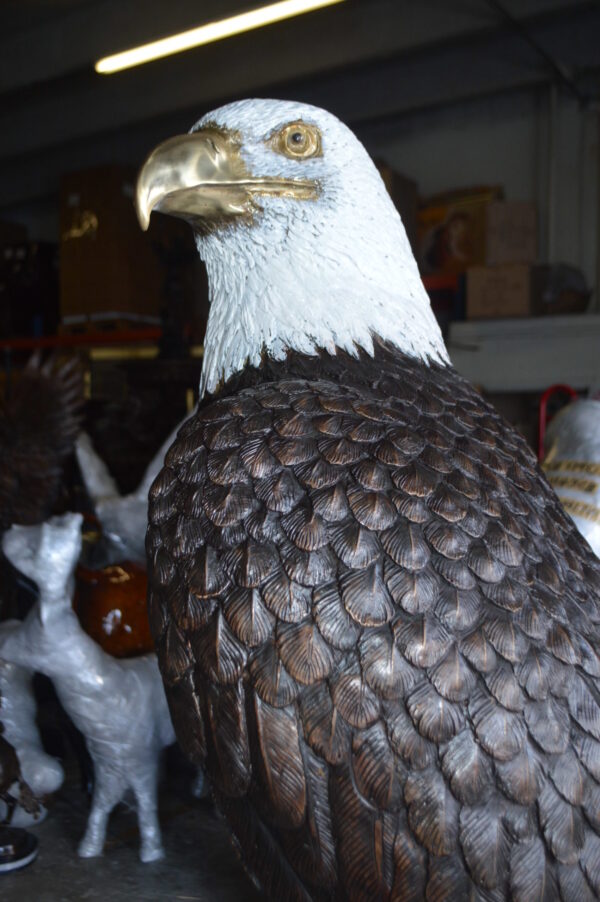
x=377 y=628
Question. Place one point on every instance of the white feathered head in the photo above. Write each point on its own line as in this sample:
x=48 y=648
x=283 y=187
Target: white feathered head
x=303 y=245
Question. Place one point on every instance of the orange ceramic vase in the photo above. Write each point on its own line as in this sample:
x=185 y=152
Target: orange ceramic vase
x=111 y=606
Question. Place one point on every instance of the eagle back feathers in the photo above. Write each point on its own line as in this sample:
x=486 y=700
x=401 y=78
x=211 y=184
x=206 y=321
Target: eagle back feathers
x=370 y=614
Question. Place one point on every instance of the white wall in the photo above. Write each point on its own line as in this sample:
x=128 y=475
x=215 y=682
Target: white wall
x=576 y=219
x=512 y=140
x=483 y=142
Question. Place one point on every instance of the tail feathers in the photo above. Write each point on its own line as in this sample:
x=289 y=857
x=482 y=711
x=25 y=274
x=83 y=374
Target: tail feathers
x=270 y=870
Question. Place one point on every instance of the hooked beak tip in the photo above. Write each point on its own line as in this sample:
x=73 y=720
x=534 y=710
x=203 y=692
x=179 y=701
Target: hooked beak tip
x=141 y=209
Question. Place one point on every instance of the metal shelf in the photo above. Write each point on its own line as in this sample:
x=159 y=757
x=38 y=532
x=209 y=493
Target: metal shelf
x=523 y=355
x=82 y=339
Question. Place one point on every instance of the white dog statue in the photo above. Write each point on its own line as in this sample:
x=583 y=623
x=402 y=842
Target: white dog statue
x=118 y=704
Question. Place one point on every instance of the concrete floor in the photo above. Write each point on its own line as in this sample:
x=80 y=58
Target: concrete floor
x=200 y=863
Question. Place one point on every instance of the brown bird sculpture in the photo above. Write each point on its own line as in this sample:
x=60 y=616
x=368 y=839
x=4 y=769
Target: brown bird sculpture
x=377 y=628
x=39 y=422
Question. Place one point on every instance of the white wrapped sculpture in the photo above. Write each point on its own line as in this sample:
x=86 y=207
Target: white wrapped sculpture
x=119 y=705
x=123 y=517
x=572 y=464
x=43 y=774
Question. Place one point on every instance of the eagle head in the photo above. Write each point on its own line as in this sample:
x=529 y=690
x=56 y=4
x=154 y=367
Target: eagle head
x=304 y=248
x=257 y=159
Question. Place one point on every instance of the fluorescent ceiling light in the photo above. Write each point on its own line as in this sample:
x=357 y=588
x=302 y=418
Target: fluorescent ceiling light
x=206 y=34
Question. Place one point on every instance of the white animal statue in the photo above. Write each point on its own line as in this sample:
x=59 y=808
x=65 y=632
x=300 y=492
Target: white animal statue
x=123 y=517
x=118 y=704
x=42 y=773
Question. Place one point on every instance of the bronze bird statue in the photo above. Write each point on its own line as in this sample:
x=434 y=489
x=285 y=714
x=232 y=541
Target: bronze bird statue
x=376 y=626
x=39 y=422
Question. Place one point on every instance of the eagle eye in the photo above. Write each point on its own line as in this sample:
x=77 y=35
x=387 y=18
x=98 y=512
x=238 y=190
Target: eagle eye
x=298 y=141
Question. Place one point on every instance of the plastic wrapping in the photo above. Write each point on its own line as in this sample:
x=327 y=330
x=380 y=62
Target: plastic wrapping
x=123 y=517
x=42 y=773
x=119 y=705
x=572 y=464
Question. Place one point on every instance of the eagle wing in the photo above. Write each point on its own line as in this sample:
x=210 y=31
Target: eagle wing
x=38 y=425
x=377 y=630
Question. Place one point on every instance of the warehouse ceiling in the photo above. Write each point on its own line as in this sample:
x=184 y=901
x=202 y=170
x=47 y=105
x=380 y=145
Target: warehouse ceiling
x=22 y=14
x=370 y=61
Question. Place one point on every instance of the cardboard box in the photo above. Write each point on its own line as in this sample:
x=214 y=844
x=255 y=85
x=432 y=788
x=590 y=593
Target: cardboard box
x=511 y=233
x=519 y=289
x=107 y=264
x=499 y=291
x=404 y=193
x=452 y=229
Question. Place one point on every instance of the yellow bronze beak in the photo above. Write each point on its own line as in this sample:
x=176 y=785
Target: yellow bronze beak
x=202 y=177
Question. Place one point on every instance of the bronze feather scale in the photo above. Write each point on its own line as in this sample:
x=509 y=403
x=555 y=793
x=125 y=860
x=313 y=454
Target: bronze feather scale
x=378 y=631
